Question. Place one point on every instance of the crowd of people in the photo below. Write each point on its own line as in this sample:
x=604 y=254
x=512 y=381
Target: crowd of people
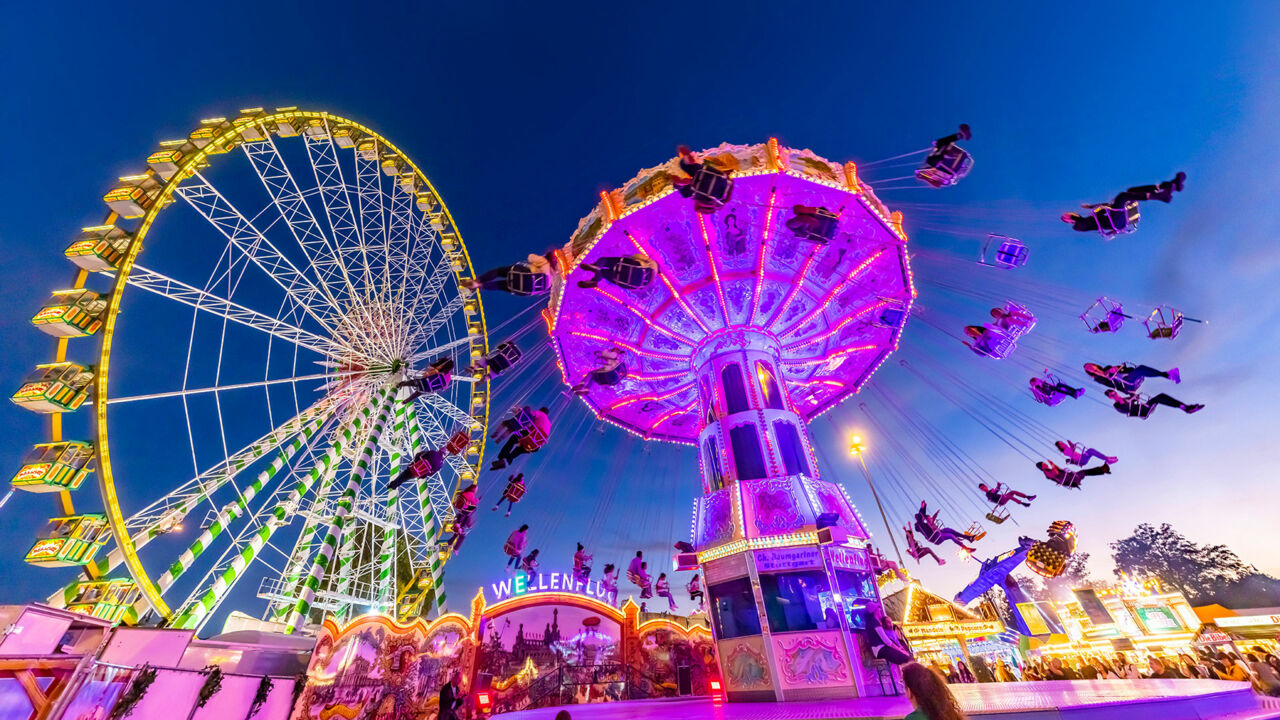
x=1255 y=666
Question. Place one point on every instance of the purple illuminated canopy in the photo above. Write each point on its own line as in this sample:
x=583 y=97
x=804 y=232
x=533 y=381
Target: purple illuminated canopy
x=832 y=310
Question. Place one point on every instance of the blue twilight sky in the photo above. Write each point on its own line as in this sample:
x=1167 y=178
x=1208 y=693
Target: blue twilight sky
x=521 y=113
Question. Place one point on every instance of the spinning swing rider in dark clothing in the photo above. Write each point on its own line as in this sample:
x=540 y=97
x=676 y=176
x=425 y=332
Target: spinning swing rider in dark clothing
x=425 y=464
x=435 y=379
x=1162 y=192
x=941 y=144
x=928 y=526
x=1133 y=405
x=1126 y=377
x=528 y=430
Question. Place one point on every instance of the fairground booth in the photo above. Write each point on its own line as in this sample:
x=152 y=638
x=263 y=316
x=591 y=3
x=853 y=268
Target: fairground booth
x=1141 y=620
x=1239 y=630
x=540 y=641
x=938 y=630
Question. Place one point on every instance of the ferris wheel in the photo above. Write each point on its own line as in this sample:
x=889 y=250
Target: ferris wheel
x=229 y=360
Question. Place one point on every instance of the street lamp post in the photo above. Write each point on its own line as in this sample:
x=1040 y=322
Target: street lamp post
x=856 y=448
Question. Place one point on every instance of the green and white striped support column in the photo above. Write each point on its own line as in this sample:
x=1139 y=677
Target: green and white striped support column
x=193 y=615
x=329 y=547
x=308 y=540
x=429 y=520
x=343 y=561
x=234 y=510
x=233 y=465
x=387 y=589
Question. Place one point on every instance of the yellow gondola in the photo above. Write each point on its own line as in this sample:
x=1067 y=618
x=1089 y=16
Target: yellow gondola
x=316 y=128
x=133 y=196
x=391 y=165
x=111 y=600
x=249 y=128
x=71 y=313
x=408 y=183
x=345 y=136
x=55 y=387
x=165 y=162
x=54 y=467
x=99 y=248
x=368 y=150
x=69 y=541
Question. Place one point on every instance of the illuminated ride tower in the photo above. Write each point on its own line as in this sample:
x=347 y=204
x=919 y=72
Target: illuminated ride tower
x=756 y=323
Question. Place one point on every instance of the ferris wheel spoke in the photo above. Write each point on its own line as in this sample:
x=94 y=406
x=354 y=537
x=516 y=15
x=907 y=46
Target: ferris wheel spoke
x=399 y=226
x=371 y=214
x=181 y=292
x=222 y=388
x=231 y=567
x=174 y=506
x=281 y=186
x=437 y=320
x=166 y=514
x=427 y=353
x=343 y=226
x=245 y=237
x=283 y=589
x=236 y=508
x=449 y=410
x=425 y=241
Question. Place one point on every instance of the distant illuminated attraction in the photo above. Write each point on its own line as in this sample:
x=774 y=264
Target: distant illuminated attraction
x=753 y=327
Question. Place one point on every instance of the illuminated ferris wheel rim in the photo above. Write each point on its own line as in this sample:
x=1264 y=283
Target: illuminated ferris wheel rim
x=230 y=136
x=752 y=167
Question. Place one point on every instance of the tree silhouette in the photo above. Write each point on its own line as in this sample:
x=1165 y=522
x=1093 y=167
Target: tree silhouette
x=1204 y=573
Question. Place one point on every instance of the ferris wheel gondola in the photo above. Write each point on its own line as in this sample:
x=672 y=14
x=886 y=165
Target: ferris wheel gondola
x=331 y=272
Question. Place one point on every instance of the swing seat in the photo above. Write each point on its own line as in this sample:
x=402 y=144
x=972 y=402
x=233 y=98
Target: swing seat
x=435 y=383
x=609 y=378
x=1047 y=398
x=531 y=436
x=458 y=442
x=976 y=530
x=514 y=492
x=712 y=188
x=521 y=280
x=891 y=318
x=998 y=515
x=1142 y=409
x=996 y=343
x=464 y=505
x=1010 y=252
x=1113 y=222
x=631 y=274
x=1104 y=315
x=509 y=550
x=822 y=229
x=945 y=166
x=502 y=358
x=420 y=469
x=1020 y=327
x=1163 y=323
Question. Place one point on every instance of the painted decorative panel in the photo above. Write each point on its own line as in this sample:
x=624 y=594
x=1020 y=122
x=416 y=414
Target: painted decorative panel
x=745 y=665
x=811 y=660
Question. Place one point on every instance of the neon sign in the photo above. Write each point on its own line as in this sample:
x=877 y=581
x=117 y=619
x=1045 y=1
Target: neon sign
x=523 y=584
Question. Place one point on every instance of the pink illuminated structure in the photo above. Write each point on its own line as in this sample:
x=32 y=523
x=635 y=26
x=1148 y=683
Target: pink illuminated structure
x=752 y=327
